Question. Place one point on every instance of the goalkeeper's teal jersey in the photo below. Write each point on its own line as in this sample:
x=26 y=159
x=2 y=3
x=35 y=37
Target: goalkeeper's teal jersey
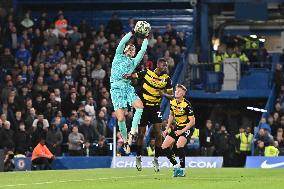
x=122 y=64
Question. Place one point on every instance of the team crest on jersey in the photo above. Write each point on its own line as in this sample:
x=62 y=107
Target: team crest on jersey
x=180 y=109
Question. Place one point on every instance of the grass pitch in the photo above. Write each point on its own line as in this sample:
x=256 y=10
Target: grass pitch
x=226 y=178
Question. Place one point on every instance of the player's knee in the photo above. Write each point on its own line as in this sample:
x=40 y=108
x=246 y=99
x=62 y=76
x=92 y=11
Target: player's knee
x=120 y=118
x=179 y=145
x=164 y=146
x=138 y=105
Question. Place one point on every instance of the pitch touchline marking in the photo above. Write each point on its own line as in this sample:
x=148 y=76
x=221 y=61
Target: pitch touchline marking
x=74 y=180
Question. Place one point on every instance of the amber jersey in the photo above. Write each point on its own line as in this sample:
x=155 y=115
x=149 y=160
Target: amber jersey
x=181 y=111
x=150 y=84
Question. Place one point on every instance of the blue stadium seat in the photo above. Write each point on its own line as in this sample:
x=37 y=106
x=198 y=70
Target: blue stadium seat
x=256 y=79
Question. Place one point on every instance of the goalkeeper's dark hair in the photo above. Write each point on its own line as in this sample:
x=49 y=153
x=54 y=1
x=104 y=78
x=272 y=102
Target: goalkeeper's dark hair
x=128 y=46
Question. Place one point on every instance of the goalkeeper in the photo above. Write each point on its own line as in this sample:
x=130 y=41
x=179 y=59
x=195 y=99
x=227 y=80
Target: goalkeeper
x=122 y=93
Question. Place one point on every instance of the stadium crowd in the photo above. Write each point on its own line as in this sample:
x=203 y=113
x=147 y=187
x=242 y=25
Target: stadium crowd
x=54 y=81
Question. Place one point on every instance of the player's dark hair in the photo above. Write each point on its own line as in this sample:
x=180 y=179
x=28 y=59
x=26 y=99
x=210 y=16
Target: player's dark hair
x=161 y=60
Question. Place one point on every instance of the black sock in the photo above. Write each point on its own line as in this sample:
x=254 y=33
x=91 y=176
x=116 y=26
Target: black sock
x=170 y=155
x=139 y=150
x=181 y=155
x=157 y=151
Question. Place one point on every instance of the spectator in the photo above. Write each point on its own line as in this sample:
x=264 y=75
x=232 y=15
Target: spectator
x=27 y=21
x=278 y=77
x=222 y=142
x=151 y=148
x=73 y=119
x=281 y=59
x=280 y=140
x=61 y=25
x=98 y=73
x=262 y=139
x=148 y=64
x=114 y=25
x=75 y=142
x=175 y=50
x=9 y=162
x=101 y=124
x=30 y=117
x=7 y=61
x=22 y=140
x=39 y=103
x=12 y=39
x=244 y=139
x=71 y=103
x=170 y=61
x=88 y=130
x=170 y=31
x=151 y=40
x=207 y=139
x=57 y=95
x=101 y=39
x=84 y=27
x=54 y=139
x=65 y=130
x=6 y=137
x=159 y=48
x=90 y=108
x=24 y=55
x=264 y=125
x=278 y=109
x=41 y=156
x=194 y=144
x=271 y=150
x=101 y=149
x=39 y=129
x=181 y=40
x=75 y=36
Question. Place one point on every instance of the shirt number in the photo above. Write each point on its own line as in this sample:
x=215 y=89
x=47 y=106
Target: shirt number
x=187 y=133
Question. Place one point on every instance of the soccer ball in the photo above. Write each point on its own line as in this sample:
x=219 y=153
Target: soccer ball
x=142 y=27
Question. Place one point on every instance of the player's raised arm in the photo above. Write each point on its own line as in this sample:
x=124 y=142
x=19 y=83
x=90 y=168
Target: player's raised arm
x=141 y=53
x=168 y=92
x=123 y=41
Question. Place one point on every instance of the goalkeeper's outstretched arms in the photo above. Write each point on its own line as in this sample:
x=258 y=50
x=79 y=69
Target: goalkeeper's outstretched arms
x=122 y=43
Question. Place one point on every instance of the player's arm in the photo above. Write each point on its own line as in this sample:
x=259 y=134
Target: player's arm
x=123 y=41
x=141 y=53
x=168 y=92
x=135 y=75
x=168 y=95
x=170 y=121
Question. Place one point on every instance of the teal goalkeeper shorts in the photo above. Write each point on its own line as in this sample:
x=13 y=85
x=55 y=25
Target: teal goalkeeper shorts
x=123 y=95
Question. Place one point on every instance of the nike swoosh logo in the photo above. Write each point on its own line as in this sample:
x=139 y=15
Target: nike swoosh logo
x=274 y=165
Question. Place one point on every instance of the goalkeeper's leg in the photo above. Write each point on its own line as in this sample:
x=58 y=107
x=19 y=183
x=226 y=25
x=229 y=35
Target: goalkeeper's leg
x=138 y=105
x=121 y=123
